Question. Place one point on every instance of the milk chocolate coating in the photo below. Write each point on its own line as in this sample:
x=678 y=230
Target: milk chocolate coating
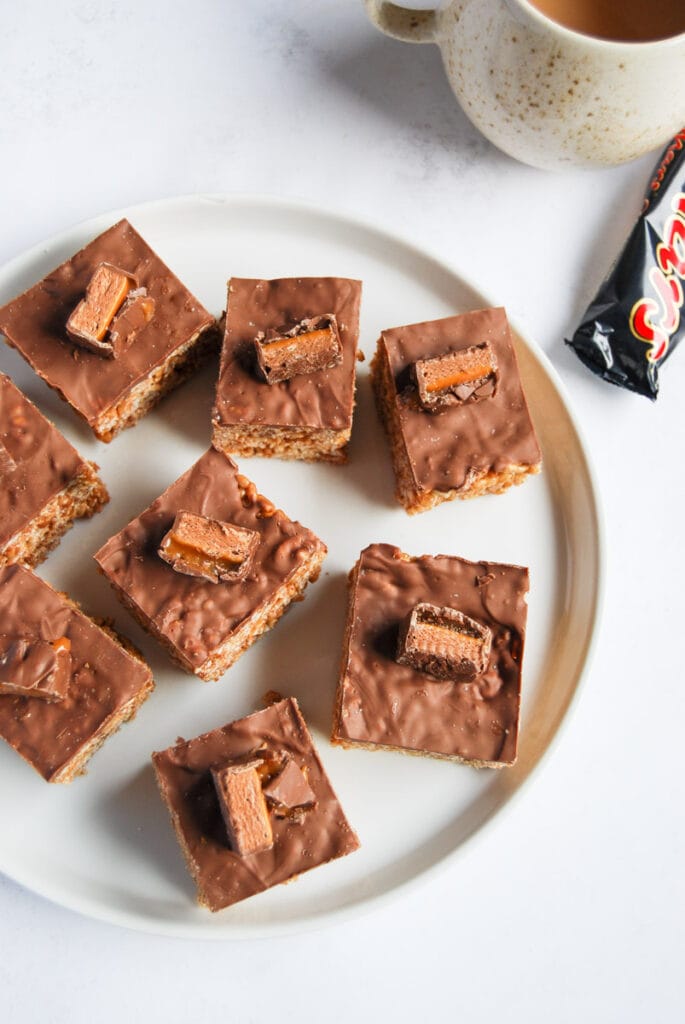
x=45 y=461
x=195 y=616
x=35 y=323
x=322 y=400
x=446 y=446
x=104 y=677
x=395 y=705
x=184 y=775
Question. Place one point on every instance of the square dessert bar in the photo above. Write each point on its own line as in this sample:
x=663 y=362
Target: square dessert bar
x=72 y=682
x=450 y=398
x=44 y=483
x=252 y=805
x=449 y=707
x=306 y=328
x=131 y=338
x=206 y=622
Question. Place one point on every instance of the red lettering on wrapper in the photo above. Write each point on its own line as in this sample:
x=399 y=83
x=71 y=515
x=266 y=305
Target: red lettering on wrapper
x=670 y=255
x=655 y=321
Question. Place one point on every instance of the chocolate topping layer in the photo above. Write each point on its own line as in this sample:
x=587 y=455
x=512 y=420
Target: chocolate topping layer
x=35 y=323
x=193 y=615
x=447 y=446
x=394 y=705
x=184 y=776
x=104 y=677
x=321 y=400
x=44 y=460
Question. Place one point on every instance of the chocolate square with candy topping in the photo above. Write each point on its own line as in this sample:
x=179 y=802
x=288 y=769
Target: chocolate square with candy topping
x=107 y=682
x=45 y=485
x=474 y=435
x=206 y=625
x=383 y=704
x=150 y=357
x=307 y=415
x=318 y=834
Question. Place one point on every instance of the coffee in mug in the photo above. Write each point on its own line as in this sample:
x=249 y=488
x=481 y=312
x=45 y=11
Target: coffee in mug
x=628 y=21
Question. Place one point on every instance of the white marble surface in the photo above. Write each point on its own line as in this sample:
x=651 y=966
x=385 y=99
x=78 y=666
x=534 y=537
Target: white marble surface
x=572 y=908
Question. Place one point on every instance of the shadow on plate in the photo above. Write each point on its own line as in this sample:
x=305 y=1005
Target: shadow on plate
x=368 y=472
x=304 y=653
x=188 y=409
x=136 y=815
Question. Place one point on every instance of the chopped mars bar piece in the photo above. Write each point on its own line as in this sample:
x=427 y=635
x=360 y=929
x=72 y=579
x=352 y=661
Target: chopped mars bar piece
x=136 y=312
x=108 y=681
x=311 y=345
x=444 y=643
x=384 y=704
x=467 y=375
x=206 y=625
x=243 y=808
x=32 y=667
x=305 y=410
x=223 y=875
x=106 y=292
x=44 y=483
x=448 y=444
x=214 y=551
x=289 y=790
x=156 y=338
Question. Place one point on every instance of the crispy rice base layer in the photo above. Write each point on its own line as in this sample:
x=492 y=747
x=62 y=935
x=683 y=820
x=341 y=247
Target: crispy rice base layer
x=80 y=499
x=304 y=443
x=178 y=366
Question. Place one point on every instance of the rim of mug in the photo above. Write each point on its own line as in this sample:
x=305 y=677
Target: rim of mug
x=537 y=15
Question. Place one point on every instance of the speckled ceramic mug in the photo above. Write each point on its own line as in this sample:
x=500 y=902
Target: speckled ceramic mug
x=544 y=94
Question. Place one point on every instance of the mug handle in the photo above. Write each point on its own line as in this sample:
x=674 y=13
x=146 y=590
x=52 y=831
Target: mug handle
x=407 y=24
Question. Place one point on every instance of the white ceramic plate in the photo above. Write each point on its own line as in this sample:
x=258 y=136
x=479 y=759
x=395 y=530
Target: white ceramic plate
x=104 y=845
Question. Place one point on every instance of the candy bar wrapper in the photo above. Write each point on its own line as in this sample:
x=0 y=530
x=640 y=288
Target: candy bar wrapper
x=636 y=319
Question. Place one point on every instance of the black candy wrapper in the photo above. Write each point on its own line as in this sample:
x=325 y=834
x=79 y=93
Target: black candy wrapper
x=637 y=318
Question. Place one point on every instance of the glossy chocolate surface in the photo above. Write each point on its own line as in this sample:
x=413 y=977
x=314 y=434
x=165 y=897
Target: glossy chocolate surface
x=320 y=834
x=104 y=677
x=322 y=400
x=446 y=447
x=395 y=705
x=35 y=323
x=194 y=615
